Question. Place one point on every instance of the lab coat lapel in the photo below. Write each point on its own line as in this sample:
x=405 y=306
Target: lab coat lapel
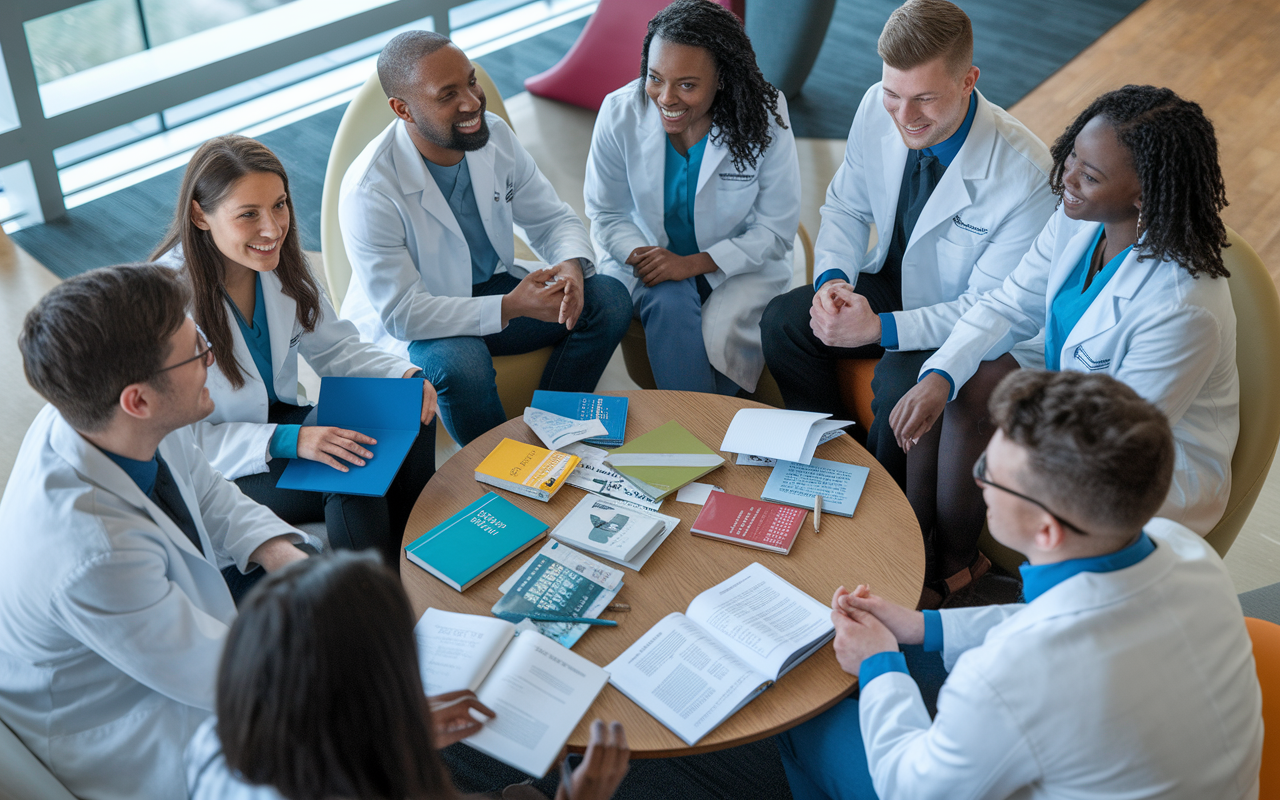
x=1103 y=314
x=972 y=163
x=893 y=159
x=651 y=172
x=486 y=191
x=282 y=312
x=713 y=154
x=101 y=471
x=413 y=176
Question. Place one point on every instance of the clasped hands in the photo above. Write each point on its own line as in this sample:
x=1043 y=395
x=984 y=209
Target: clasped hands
x=867 y=624
x=550 y=294
x=653 y=265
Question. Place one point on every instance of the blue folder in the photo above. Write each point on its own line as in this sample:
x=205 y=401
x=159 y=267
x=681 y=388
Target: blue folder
x=387 y=409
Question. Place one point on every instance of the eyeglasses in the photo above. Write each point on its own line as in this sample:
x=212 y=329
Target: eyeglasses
x=206 y=354
x=980 y=477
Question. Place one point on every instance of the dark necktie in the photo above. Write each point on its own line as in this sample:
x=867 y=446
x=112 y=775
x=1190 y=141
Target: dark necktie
x=924 y=179
x=920 y=176
x=166 y=495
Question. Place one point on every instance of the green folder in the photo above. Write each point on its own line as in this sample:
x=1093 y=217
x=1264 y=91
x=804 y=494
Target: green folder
x=663 y=460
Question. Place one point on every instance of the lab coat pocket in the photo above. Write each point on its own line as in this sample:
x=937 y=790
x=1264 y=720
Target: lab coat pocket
x=955 y=263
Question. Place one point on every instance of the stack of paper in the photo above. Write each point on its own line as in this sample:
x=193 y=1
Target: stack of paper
x=780 y=434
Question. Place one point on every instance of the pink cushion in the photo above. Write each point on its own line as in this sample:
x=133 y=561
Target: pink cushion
x=606 y=55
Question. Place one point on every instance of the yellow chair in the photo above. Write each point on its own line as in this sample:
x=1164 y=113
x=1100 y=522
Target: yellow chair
x=22 y=775
x=635 y=353
x=1257 y=306
x=1266 y=657
x=368 y=115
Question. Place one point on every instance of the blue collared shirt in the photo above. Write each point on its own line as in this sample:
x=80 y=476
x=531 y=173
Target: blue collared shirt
x=1036 y=580
x=680 y=185
x=455 y=185
x=257 y=336
x=142 y=473
x=1073 y=299
x=946 y=152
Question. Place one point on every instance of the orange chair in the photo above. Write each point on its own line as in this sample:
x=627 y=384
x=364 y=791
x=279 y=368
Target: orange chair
x=1266 y=656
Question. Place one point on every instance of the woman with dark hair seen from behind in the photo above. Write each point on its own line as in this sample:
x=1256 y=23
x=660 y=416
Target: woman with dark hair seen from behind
x=235 y=237
x=693 y=192
x=1126 y=279
x=319 y=697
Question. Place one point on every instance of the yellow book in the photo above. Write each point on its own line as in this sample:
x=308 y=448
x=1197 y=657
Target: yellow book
x=526 y=469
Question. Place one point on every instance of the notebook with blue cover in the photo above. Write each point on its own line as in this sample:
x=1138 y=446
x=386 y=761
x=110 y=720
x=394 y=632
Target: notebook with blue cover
x=387 y=409
x=795 y=484
x=475 y=541
x=611 y=411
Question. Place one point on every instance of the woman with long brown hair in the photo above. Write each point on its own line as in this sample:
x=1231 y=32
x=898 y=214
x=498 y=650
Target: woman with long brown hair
x=235 y=238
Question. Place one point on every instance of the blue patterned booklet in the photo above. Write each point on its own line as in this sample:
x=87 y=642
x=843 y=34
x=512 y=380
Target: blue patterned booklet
x=795 y=484
x=612 y=411
x=563 y=582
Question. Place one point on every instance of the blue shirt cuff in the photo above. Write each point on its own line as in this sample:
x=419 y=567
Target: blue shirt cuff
x=888 y=331
x=830 y=274
x=950 y=382
x=932 y=631
x=880 y=663
x=284 y=442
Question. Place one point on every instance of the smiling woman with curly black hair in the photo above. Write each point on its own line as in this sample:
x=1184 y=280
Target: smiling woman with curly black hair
x=693 y=192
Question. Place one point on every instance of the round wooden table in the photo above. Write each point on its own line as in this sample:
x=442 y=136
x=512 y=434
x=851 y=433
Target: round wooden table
x=880 y=546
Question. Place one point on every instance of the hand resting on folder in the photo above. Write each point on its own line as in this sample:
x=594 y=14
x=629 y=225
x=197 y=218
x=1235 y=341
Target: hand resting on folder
x=327 y=444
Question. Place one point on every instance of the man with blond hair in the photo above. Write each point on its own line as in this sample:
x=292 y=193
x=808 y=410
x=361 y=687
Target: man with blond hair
x=957 y=190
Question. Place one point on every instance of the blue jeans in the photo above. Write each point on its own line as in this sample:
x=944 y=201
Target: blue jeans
x=825 y=758
x=671 y=313
x=461 y=367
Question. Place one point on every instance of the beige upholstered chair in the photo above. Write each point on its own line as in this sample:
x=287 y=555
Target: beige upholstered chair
x=635 y=354
x=1253 y=293
x=366 y=117
x=22 y=775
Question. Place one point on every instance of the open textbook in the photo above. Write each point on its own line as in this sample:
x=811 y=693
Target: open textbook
x=693 y=671
x=538 y=689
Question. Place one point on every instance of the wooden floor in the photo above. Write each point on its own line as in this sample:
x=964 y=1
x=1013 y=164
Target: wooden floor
x=1224 y=54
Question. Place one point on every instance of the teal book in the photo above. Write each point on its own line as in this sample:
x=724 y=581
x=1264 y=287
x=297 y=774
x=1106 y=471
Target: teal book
x=475 y=541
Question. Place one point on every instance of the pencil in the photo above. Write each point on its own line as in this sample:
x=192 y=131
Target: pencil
x=817 y=512
x=572 y=620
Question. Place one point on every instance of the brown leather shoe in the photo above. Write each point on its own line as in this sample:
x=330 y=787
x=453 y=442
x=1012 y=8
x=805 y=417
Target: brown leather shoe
x=935 y=596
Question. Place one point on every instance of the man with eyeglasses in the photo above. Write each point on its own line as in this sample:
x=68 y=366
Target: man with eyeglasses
x=1128 y=673
x=113 y=533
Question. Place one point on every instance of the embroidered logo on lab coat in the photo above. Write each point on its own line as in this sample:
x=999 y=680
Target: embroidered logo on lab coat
x=297 y=337
x=1089 y=363
x=511 y=189
x=962 y=225
x=737 y=176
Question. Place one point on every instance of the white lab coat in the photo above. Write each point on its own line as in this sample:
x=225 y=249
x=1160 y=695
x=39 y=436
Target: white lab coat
x=981 y=217
x=411 y=263
x=1168 y=335
x=236 y=435
x=111 y=622
x=745 y=219
x=1137 y=683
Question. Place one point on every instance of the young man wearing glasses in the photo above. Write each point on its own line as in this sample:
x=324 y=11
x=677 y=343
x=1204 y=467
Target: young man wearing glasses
x=114 y=528
x=1127 y=673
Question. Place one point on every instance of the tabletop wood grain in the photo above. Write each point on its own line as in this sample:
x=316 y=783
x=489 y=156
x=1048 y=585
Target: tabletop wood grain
x=880 y=546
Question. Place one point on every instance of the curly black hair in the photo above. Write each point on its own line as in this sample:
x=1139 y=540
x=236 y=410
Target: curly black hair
x=740 y=111
x=1175 y=154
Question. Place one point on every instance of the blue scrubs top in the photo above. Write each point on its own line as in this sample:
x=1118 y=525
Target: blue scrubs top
x=1072 y=300
x=680 y=184
x=455 y=185
x=284 y=442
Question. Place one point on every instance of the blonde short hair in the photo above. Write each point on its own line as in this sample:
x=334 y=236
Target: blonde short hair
x=920 y=31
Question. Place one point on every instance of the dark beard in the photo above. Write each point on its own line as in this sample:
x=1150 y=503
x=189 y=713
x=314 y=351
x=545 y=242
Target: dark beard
x=453 y=140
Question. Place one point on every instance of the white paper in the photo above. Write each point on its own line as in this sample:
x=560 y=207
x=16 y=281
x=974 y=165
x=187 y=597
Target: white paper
x=556 y=431
x=778 y=433
x=696 y=493
x=745 y=459
x=593 y=475
x=539 y=691
x=456 y=651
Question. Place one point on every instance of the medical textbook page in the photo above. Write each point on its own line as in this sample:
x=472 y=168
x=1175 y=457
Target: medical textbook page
x=456 y=651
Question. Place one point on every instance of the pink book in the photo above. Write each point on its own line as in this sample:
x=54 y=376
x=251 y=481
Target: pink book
x=750 y=523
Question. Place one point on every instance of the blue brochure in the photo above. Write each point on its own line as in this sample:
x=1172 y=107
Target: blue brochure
x=611 y=411
x=387 y=409
x=795 y=484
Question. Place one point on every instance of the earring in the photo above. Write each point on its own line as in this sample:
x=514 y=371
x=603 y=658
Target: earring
x=1139 y=221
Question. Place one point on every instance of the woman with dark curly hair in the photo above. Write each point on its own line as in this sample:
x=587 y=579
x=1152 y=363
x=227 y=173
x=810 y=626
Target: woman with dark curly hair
x=693 y=192
x=1125 y=279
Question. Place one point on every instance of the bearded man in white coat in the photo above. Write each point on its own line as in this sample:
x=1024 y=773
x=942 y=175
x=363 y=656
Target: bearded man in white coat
x=114 y=529
x=1128 y=673
x=427 y=213
x=957 y=191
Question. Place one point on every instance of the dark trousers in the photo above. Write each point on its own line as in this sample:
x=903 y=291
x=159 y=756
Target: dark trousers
x=352 y=522
x=805 y=368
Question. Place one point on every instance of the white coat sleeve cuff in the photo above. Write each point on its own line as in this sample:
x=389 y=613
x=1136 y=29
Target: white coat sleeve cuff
x=491 y=315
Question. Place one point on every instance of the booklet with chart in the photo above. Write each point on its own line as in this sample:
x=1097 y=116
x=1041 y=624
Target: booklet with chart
x=692 y=671
x=781 y=434
x=607 y=528
x=559 y=581
x=797 y=485
x=538 y=689
x=387 y=409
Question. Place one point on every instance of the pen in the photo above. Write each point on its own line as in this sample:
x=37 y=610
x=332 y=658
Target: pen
x=572 y=620
x=817 y=512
